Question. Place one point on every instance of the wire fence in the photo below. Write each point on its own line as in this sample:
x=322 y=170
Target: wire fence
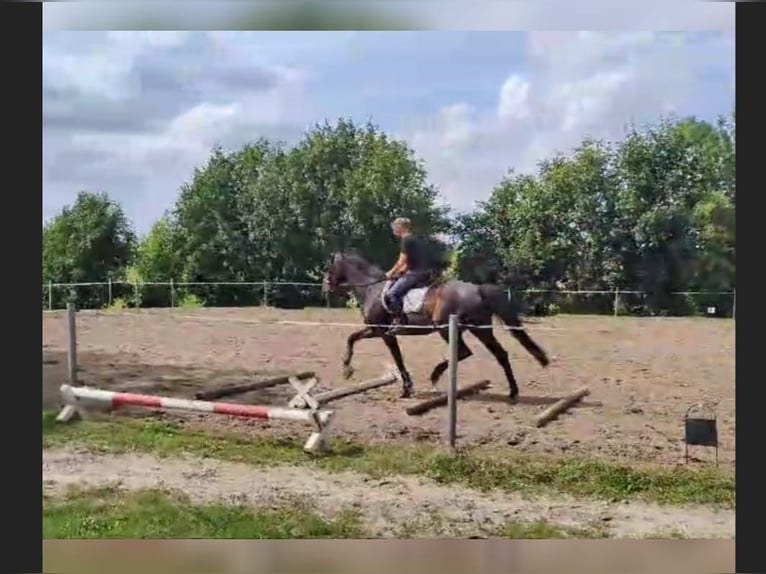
x=297 y=294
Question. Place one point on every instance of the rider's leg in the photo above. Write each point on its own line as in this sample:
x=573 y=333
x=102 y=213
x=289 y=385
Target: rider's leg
x=396 y=295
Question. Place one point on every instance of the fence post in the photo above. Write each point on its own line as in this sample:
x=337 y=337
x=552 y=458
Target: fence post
x=452 y=388
x=72 y=344
x=734 y=305
x=135 y=295
x=616 y=303
x=265 y=301
x=50 y=295
x=172 y=294
x=109 y=294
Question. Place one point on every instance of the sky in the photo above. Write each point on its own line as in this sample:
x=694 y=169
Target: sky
x=133 y=113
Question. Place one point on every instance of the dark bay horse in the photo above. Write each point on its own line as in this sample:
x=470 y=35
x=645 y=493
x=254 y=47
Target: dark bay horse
x=475 y=305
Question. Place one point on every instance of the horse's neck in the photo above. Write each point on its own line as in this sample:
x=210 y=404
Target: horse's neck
x=363 y=282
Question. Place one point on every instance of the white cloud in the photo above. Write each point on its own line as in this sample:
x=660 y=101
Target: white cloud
x=575 y=84
x=133 y=113
x=514 y=99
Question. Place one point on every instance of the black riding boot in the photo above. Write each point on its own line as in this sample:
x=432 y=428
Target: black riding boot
x=400 y=319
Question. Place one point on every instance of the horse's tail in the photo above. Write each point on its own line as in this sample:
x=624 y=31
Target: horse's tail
x=496 y=301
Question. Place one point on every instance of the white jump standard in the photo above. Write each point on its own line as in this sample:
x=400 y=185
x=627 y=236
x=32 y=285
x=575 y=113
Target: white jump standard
x=88 y=399
x=303 y=399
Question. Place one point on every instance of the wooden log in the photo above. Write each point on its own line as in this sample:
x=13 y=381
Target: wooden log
x=251 y=386
x=560 y=406
x=335 y=394
x=441 y=400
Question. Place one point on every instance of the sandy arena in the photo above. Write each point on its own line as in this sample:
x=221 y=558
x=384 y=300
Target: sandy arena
x=642 y=373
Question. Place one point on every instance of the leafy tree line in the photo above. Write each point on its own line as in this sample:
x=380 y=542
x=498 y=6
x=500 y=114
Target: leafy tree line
x=653 y=212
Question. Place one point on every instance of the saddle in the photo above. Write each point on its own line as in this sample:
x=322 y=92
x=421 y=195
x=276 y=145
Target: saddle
x=413 y=299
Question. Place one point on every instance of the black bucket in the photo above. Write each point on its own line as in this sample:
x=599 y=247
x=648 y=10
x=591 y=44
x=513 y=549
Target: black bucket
x=700 y=429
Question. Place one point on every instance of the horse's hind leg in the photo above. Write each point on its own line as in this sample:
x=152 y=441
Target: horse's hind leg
x=487 y=337
x=463 y=352
x=396 y=354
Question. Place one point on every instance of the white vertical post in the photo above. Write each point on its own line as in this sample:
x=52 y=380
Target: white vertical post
x=72 y=344
x=50 y=295
x=265 y=301
x=616 y=304
x=109 y=293
x=135 y=294
x=734 y=305
x=70 y=411
x=452 y=388
x=172 y=293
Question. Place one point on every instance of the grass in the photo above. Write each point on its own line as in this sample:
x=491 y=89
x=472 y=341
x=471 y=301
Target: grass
x=112 y=513
x=580 y=477
x=543 y=530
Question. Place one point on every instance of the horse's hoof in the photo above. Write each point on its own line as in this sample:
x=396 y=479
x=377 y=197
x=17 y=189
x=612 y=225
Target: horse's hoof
x=348 y=371
x=513 y=398
x=406 y=393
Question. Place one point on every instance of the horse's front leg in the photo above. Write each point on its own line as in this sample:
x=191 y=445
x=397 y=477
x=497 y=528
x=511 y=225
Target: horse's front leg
x=363 y=333
x=396 y=354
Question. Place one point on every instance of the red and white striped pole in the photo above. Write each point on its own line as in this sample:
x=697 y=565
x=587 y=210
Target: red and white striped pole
x=85 y=398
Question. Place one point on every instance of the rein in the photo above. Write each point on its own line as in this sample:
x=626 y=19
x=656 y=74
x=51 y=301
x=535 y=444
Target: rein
x=347 y=285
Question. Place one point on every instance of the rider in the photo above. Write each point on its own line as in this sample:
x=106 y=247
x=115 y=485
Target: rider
x=410 y=270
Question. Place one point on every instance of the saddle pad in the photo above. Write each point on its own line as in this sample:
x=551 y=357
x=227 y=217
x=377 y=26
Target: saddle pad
x=413 y=300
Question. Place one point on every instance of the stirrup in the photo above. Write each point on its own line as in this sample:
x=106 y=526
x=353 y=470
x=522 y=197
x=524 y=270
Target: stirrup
x=396 y=324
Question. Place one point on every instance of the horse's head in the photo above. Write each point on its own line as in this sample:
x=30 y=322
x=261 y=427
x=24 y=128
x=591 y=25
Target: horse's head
x=347 y=269
x=336 y=273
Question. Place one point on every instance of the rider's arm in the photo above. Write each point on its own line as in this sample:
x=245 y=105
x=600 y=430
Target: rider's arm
x=399 y=267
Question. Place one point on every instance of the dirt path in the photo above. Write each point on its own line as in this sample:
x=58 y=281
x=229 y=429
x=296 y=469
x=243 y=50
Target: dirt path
x=389 y=506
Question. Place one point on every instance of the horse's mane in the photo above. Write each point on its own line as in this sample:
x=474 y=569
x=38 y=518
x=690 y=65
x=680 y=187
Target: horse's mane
x=355 y=258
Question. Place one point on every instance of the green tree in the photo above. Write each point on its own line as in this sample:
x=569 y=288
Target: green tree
x=475 y=257
x=551 y=229
x=157 y=260
x=90 y=241
x=213 y=235
x=654 y=212
x=270 y=213
x=339 y=189
x=350 y=182
x=676 y=210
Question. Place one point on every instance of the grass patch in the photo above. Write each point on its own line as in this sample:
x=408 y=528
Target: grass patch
x=544 y=530
x=112 y=513
x=191 y=301
x=436 y=525
x=669 y=534
x=514 y=472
